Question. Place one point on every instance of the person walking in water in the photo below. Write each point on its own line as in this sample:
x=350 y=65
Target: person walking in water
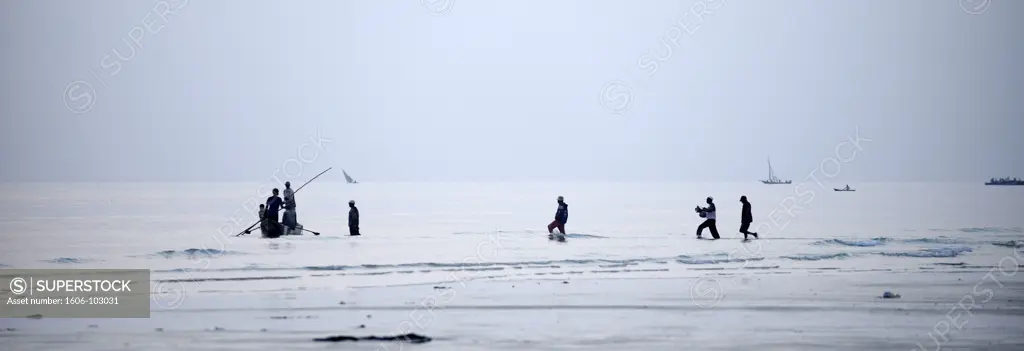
x=746 y=217
x=561 y=217
x=353 y=218
x=709 y=219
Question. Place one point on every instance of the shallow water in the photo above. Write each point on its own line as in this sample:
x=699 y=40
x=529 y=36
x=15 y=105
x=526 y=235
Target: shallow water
x=487 y=233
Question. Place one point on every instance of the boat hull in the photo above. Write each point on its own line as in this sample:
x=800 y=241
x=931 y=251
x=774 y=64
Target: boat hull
x=777 y=183
x=267 y=232
x=1004 y=184
x=843 y=189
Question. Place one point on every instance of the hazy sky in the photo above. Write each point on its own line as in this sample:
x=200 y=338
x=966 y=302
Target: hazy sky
x=510 y=90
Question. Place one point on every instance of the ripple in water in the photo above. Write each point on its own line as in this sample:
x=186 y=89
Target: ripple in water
x=938 y=252
x=809 y=257
x=70 y=260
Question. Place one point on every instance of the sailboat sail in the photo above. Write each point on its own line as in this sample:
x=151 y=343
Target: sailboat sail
x=348 y=179
x=772 y=179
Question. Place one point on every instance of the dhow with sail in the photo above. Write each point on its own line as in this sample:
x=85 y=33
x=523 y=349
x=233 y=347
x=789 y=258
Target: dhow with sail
x=772 y=179
x=348 y=179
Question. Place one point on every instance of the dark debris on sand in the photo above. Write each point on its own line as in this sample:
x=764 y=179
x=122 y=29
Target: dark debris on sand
x=411 y=338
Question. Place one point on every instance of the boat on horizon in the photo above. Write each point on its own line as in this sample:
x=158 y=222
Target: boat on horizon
x=847 y=188
x=348 y=179
x=1005 y=181
x=772 y=179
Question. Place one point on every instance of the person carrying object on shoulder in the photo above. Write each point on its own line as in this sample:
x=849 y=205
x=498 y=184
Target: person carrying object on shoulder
x=561 y=217
x=353 y=218
x=709 y=219
x=746 y=217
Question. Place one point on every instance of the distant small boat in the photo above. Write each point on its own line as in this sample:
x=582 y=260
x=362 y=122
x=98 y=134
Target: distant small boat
x=772 y=179
x=847 y=188
x=1005 y=181
x=348 y=179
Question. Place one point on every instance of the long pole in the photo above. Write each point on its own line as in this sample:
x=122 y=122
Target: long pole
x=247 y=230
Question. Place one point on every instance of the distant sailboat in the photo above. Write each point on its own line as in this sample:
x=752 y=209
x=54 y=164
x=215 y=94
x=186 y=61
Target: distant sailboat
x=772 y=179
x=348 y=179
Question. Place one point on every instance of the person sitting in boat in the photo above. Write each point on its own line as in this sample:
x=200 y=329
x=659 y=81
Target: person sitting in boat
x=288 y=219
x=847 y=187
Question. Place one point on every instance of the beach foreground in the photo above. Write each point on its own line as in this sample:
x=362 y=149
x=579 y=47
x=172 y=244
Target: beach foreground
x=777 y=311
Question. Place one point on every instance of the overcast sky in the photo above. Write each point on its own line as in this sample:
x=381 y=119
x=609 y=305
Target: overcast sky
x=511 y=90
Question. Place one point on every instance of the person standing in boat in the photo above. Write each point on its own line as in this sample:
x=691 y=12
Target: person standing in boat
x=353 y=218
x=561 y=217
x=290 y=218
x=274 y=205
x=709 y=222
x=746 y=217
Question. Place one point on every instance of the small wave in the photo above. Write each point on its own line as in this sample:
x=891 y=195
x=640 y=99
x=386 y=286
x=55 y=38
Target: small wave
x=717 y=260
x=809 y=257
x=858 y=243
x=939 y=240
x=992 y=230
x=1011 y=243
x=70 y=260
x=585 y=236
x=228 y=279
x=447 y=266
x=194 y=252
x=481 y=269
x=939 y=252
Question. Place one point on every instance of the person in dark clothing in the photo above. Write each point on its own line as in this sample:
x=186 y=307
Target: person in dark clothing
x=353 y=218
x=746 y=217
x=709 y=219
x=561 y=217
x=274 y=204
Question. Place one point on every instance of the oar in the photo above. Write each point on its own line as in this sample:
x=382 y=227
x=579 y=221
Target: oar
x=246 y=231
x=314 y=233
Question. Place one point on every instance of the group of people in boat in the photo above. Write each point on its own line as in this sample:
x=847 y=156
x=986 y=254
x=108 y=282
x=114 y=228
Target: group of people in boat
x=288 y=224
x=708 y=213
x=270 y=225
